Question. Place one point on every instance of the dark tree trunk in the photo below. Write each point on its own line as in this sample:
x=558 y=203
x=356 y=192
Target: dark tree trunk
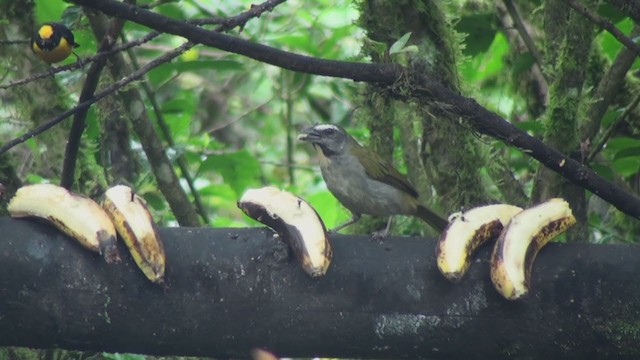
x=234 y=289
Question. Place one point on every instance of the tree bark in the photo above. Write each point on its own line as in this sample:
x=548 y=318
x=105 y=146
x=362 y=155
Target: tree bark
x=233 y=289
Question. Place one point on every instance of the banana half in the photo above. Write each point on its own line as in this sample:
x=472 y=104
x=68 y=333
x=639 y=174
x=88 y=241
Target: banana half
x=134 y=223
x=297 y=223
x=75 y=215
x=466 y=232
x=520 y=241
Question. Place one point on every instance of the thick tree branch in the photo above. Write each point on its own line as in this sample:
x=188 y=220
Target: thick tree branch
x=491 y=124
x=482 y=120
x=295 y=62
x=231 y=290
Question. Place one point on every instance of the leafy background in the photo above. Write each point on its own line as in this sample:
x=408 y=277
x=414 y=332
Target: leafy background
x=235 y=120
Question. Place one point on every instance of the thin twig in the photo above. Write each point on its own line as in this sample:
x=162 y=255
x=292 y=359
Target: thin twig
x=605 y=24
x=14 y=42
x=107 y=91
x=289 y=166
x=82 y=62
x=608 y=88
x=242 y=116
x=524 y=35
x=182 y=163
x=598 y=145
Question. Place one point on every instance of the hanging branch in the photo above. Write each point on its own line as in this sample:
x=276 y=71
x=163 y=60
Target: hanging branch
x=524 y=35
x=80 y=116
x=607 y=88
x=598 y=144
x=166 y=132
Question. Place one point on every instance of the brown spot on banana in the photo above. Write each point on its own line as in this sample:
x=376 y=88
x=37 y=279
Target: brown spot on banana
x=465 y=233
x=134 y=223
x=521 y=240
x=295 y=221
x=77 y=216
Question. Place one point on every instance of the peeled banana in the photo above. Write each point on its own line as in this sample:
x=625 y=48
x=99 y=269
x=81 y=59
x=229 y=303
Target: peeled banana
x=519 y=243
x=134 y=223
x=75 y=215
x=296 y=222
x=466 y=232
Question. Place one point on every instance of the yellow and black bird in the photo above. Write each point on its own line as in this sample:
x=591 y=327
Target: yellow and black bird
x=53 y=42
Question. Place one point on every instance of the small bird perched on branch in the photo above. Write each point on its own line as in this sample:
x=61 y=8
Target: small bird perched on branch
x=53 y=42
x=362 y=181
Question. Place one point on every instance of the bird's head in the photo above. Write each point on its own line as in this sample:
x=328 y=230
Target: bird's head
x=332 y=139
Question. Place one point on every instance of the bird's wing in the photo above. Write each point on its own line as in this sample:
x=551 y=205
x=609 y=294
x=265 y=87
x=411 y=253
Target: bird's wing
x=384 y=172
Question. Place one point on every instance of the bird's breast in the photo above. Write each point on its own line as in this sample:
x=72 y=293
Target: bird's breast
x=349 y=183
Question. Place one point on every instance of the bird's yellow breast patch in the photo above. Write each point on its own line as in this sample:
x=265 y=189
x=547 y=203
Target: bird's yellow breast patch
x=59 y=53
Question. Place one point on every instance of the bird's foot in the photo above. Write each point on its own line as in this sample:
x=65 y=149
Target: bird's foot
x=380 y=235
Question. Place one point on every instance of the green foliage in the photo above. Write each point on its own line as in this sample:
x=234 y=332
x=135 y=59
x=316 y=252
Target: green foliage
x=47 y=10
x=231 y=117
x=480 y=31
x=239 y=169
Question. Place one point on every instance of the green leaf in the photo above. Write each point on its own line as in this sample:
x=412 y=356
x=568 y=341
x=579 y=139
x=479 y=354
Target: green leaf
x=487 y=64
x=328 y=207
x=47 y=10
x=628 y=152
x=610 y=116
x=399 y=44
x=155 y=200
x=602 y=170
x=480 y=30
x=522 y=63
x=536 y=127
x=622 y=142
x=376 y=47
x=610 y=45
x=239 y=169
x=171 y=10
x=627 y=166
x=610 y=13
x=160 y=74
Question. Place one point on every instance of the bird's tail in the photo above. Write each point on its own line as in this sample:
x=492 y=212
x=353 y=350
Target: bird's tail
x=434 y=220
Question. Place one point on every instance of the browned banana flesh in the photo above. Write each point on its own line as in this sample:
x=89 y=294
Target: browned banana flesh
x=295 y=221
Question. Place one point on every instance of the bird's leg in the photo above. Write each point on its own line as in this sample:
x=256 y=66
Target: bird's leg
x=354 y=218
x=382 y=234
x=79 y=59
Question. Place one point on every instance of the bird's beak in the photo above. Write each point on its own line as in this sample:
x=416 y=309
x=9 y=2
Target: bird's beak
x=309 y=134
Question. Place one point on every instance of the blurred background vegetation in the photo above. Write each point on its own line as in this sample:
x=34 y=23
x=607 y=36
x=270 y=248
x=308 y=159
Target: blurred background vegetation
x=233 y=121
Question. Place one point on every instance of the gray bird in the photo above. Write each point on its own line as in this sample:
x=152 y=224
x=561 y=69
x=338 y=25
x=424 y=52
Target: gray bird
x=362 y=181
